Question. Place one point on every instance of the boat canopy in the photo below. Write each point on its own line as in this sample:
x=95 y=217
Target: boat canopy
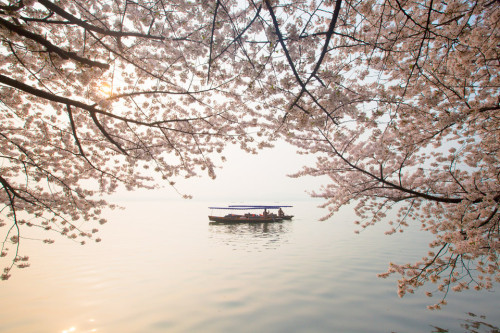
x=261 y=206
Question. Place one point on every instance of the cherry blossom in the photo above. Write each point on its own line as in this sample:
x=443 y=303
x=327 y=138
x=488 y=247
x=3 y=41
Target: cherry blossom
x=97 y=95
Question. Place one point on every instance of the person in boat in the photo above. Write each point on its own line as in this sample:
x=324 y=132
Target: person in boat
x=280 y=213
x=264 y=213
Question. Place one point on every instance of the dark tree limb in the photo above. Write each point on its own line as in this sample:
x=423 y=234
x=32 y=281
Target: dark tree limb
x=51 y=47
x=74 y=20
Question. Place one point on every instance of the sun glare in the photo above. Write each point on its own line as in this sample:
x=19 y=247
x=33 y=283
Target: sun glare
x=106 y=88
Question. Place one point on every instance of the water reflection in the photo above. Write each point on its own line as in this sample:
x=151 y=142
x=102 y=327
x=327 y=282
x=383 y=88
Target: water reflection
x=474 y=324
x=248 y=236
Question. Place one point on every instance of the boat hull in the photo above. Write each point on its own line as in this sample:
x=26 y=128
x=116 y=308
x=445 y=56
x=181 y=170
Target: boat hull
x=244 y=219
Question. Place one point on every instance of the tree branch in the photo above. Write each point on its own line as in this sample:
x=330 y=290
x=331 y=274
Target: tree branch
x=51 y=47
x=74 y=20
x=212 y=41
x=329 y=34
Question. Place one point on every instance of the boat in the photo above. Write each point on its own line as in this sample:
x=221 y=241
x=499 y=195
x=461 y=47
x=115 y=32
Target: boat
x=265 y=217
x=246 y=218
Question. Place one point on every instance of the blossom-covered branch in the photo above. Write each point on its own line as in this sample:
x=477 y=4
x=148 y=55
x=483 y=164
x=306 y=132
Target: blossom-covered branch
x=95 y=94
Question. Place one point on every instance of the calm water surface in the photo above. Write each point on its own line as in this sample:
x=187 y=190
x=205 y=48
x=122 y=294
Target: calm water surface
x=161 y=267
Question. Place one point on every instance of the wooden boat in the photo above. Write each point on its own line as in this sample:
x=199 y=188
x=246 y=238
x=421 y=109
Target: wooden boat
x=265 y=217
x=247 y=218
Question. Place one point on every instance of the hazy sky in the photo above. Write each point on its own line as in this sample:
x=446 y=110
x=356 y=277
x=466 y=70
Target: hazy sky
x=245 y=178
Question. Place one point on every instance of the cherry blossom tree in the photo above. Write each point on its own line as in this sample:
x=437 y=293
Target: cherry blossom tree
x=98 y=94
x=398 y=100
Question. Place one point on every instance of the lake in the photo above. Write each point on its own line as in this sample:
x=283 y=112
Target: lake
x=161 y=267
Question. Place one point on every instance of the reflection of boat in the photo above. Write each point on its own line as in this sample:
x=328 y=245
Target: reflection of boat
x=265 y=217
x=251 y=236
